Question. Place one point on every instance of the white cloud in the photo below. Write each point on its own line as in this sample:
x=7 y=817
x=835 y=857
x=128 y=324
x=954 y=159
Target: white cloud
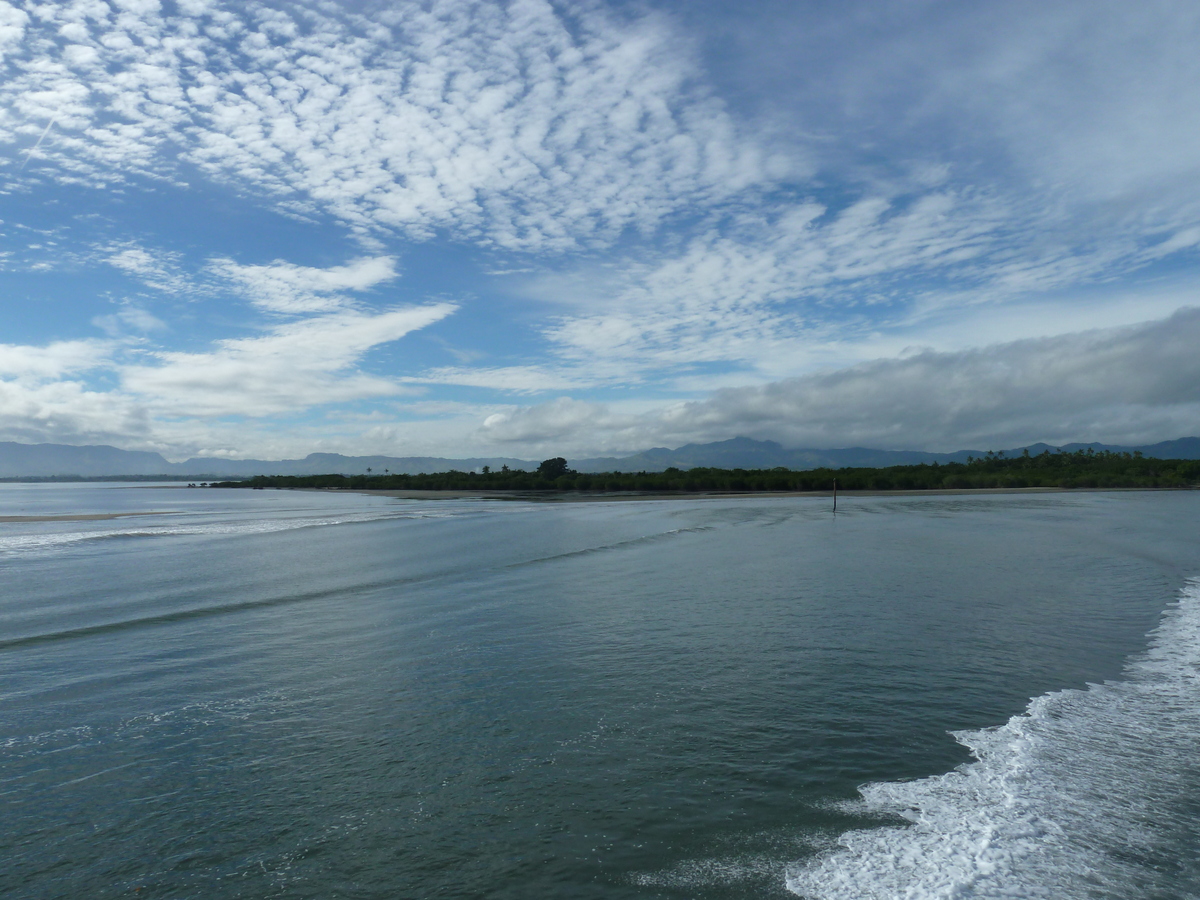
x=504 y=123
x=800 y=285
x=1183 y=239
x=12 y=28
x=1086 y=107
x=793 y=275
x=932 y=236
x=517 y=379
x=127 y=318
x=31 y=363
x=68 y=412
x=1128 y=384
x=165 y=397
x=563 y=419
x=1125 y=385
x=295 y=367
x=158 y=269
x=290 y=289
x=1131 y=384
x=1076 y=97
x=43 y=396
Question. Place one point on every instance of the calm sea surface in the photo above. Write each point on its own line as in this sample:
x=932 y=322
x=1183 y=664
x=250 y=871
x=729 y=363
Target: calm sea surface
x=302 y=694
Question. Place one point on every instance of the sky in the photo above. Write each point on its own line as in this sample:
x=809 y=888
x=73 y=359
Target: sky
x=529 y=228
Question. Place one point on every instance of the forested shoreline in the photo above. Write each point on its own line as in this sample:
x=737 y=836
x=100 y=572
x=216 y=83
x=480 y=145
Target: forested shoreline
x=1081 y=469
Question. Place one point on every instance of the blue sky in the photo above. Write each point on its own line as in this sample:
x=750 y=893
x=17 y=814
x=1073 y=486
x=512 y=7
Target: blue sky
x=531 y=228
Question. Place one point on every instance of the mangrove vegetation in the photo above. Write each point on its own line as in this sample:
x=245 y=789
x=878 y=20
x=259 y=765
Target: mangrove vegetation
x=1081 y=469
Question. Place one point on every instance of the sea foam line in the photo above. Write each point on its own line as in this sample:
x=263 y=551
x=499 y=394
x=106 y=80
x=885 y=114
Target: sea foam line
x=1090 y=793
x=25 y=543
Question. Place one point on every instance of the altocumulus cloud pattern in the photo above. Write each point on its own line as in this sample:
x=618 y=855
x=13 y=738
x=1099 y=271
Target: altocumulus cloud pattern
x=460 y=228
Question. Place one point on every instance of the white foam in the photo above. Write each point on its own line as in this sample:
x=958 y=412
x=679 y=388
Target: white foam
x=703 y=873
x=1084 y=795
x=51 y=540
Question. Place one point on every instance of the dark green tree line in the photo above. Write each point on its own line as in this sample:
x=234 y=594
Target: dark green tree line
x=1082 y=469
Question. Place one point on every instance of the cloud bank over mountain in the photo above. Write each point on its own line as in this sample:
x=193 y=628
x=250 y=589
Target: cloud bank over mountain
x=1127 y=382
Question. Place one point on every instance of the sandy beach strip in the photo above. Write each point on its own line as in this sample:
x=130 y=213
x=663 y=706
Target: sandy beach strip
x=83 y=517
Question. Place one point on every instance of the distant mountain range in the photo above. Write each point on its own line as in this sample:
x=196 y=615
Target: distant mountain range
x=746 y=453
x=49 y=460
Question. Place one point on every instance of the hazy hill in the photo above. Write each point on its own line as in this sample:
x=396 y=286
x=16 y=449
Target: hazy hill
x=329 y=463
x=34 y=460
x=41 y=460
x=26 y=460
x=746 y=453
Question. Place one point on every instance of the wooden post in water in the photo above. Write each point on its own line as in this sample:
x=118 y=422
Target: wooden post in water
x=835 y=495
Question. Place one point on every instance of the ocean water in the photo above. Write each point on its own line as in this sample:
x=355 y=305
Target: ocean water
x=307 y=694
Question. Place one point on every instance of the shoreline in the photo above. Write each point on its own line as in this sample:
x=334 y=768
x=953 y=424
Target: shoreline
x=619 y=496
